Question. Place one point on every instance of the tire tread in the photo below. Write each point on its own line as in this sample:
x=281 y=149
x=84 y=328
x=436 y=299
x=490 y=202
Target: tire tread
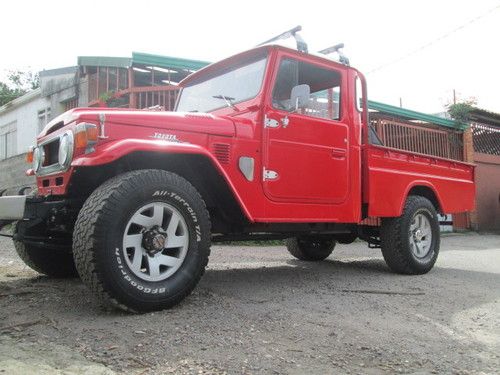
x=393 y=248
x=53 y=263
x=96 y=206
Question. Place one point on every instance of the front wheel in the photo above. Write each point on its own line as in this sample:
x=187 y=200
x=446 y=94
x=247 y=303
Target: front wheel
x=56 y=263
x=142 y=240
x=410 y=243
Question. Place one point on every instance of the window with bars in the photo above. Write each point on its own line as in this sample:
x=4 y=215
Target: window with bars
x=486 y=138
x=8 y=140
x=70 y=104
x=104 y=79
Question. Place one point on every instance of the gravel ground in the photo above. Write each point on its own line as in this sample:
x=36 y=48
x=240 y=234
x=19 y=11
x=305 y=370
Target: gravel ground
x=257 y=310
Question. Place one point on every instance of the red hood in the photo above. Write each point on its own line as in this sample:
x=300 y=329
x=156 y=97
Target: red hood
x=190 y=122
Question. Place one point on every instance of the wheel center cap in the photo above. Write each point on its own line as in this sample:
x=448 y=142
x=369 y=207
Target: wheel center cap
x=418 y=235
x=154 y=241
x=158 y=242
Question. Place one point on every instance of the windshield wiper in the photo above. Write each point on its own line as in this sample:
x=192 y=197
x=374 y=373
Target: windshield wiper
x=229 y=101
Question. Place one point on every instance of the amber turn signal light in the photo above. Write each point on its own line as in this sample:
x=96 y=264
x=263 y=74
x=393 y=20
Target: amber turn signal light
x=29 y=156
x=85 y=135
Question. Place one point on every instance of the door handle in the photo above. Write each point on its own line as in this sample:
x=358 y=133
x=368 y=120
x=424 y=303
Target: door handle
x=338 y=153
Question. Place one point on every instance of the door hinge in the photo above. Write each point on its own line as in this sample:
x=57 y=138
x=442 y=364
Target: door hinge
x=285 y=121
x=269 y=175
x=270 y=123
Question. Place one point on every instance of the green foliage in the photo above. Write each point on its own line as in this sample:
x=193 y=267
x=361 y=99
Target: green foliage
x=106 y=96
x=24 y=81
x=460 y=111
x=18 y=83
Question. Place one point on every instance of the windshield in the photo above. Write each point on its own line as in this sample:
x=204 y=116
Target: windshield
x=226 y=89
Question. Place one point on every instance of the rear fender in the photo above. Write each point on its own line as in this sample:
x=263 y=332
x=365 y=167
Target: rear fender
x=421 y=184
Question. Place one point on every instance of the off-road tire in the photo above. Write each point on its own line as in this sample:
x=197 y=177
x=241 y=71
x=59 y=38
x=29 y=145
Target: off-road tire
x=50 y=262
x=310 y=248
x=99 y=229
x=395 y=238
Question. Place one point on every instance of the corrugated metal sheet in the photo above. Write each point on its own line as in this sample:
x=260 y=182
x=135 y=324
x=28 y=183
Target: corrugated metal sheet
x=166 y=61
x=411 y=115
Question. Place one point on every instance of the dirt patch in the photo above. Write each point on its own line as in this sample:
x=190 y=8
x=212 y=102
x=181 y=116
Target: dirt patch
x=257 y=310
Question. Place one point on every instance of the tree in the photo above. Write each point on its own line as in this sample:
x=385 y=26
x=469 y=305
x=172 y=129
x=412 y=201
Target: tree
x=18 y=83
x=460 y=110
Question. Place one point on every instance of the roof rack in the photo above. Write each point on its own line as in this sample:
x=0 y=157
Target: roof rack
x=301 y=44
x=336 y=49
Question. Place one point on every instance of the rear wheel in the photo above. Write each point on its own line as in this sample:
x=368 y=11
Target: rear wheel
x=410 y=243
x=142 y=240
x=310 y=248
x=50 y=262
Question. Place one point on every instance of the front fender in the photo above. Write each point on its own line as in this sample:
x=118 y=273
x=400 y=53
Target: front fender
x=114 y=150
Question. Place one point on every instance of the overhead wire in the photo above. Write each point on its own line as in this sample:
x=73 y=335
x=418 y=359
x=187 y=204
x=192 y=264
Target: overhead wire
x=434 y=41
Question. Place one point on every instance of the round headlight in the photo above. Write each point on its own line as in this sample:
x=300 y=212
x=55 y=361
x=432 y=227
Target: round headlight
x=38 y=156
x=65 y=148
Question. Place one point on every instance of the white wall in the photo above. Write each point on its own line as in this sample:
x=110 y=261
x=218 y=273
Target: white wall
x=25 y=114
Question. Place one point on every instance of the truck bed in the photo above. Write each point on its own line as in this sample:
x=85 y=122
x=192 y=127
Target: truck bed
x=390 y=174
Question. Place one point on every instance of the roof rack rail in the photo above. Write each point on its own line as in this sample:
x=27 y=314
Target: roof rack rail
x=336 y=49
x=301 y=44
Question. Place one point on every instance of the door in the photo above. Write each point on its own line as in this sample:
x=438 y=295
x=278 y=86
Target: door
x=306 y=151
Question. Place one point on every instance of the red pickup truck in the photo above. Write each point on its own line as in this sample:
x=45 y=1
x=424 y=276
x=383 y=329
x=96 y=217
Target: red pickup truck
x=272 y=143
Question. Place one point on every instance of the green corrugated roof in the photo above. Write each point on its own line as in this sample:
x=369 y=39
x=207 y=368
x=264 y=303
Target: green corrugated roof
x=412 y=115
x=142 y=59
x=119 y=62
x=166 y=61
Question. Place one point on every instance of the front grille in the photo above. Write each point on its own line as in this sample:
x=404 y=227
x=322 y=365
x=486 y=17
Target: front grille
x=51 y=153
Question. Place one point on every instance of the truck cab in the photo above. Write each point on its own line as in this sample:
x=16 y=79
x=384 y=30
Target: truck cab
x=272 y=143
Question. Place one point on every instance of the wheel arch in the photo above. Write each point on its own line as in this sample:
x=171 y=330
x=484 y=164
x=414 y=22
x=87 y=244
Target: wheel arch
x=224 y=204
x=426 y=190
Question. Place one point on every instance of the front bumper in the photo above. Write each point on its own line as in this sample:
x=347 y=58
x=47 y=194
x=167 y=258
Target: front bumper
x=43 y=221
x=12 y=207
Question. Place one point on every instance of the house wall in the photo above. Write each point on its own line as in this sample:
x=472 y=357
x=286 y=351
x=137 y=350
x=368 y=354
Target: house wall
x=59 y=86
x=25 y=117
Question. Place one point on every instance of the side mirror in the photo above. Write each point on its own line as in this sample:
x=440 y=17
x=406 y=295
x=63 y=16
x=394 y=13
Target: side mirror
x=299 y=98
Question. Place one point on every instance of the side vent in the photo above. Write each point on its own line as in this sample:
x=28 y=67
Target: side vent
x=222 y=152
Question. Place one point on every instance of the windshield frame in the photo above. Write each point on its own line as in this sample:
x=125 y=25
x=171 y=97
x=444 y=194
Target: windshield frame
x=224 y=69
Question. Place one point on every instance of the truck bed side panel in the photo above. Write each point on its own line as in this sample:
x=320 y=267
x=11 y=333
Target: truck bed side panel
x=393 y=173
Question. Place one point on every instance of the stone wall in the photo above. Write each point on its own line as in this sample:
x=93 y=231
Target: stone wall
x=12 y=174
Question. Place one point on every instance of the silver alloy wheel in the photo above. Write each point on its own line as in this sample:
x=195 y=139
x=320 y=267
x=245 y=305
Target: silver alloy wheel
x=420 y=235
x=155 y=241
